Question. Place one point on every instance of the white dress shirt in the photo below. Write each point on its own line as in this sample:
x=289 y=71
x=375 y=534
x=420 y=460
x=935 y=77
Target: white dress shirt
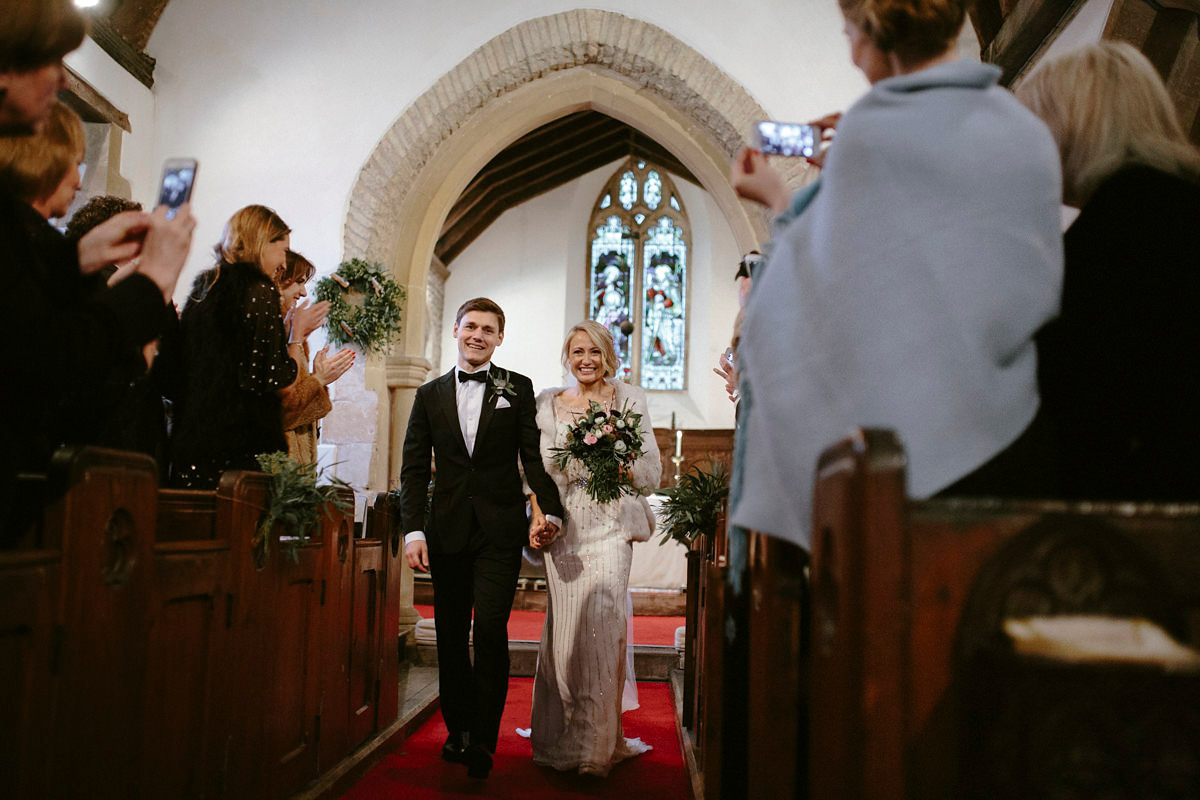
x=469 y=396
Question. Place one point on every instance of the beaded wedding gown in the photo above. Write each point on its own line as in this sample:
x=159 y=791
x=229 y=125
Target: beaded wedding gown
x=582 y=661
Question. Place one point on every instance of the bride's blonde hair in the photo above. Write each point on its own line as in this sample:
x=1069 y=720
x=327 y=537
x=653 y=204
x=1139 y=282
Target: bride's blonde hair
x=601 y=338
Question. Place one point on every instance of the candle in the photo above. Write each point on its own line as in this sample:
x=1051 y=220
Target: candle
x=678 y=443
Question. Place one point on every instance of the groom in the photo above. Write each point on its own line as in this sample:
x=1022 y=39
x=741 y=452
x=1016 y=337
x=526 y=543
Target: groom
x=477 y=419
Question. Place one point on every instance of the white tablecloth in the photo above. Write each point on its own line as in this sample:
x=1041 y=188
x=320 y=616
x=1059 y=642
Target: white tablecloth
x=658 y=566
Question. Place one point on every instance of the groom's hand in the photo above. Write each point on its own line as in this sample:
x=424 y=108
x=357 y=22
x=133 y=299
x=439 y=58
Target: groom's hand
x=417 y=554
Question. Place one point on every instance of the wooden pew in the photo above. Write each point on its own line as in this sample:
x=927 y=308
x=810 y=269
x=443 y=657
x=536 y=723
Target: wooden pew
x=915 y=692
x=189 y=644
x=30 y=576
x=146 y=651
x=74 y=602
x=374 y=668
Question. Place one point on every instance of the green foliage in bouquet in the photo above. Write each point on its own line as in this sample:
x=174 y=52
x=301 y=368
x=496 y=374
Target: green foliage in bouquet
x=295 y=501
x=606 y=444
x=365 y=305
x=693 y=505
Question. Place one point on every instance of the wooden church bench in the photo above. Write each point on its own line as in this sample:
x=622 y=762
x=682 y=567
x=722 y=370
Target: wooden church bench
x=915 y=690
x=147 y=650
x=73 y=629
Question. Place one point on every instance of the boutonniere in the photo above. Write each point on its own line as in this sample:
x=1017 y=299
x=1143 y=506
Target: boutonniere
x=501 y=384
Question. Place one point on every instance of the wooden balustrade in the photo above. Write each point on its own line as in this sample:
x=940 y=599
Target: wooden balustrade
x=145 y=652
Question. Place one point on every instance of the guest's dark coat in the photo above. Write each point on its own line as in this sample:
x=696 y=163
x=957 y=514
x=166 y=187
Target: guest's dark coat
x=63 y=341
x=224 y=372
x=1120 y=369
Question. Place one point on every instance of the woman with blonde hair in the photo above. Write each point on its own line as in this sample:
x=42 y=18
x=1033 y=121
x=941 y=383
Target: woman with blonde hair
x=234 y=355
x=1120 y=368
x=906 y=290
x=582 y=662
x=306 y=401
x=43 y=169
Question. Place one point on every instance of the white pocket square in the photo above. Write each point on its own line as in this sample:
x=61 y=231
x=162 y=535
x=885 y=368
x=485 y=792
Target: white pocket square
x=502 y=403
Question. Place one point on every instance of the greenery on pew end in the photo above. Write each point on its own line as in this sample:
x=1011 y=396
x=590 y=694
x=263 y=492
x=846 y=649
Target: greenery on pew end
x=296 y=502
x=693 y=504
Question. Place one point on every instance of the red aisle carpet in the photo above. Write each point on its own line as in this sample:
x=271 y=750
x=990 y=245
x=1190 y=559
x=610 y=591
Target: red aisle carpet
x=526 y=626
x=416 y=771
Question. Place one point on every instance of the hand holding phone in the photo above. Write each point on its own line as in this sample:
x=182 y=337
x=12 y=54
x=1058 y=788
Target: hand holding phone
x=785 y=138
x=178 y=178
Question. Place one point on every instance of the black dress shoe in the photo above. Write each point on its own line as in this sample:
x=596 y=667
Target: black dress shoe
x=478 y=761
x=455 y=748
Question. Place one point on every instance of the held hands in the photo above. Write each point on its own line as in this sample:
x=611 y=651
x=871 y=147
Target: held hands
x=541 y=532
x=328 y=369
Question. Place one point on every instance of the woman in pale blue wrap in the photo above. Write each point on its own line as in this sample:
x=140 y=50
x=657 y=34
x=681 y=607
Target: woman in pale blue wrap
x=905 y=288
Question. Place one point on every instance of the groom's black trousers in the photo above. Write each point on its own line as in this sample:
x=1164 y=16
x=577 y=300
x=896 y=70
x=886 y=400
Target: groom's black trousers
x=480 y=579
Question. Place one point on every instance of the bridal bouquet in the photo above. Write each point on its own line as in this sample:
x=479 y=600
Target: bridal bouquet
x=605 y=443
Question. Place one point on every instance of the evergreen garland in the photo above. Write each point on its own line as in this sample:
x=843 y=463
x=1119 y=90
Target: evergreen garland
x=693 y=505
x=370 y=324
x=295 y=501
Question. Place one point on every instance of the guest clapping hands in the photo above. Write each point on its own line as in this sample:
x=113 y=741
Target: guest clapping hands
x=306 y=401
x=232 y=356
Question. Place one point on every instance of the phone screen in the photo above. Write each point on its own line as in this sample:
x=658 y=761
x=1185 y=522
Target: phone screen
x=786 y=138
x=179 y=175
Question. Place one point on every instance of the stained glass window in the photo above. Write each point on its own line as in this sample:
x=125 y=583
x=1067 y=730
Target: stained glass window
x=638 y=281
x=628 y=190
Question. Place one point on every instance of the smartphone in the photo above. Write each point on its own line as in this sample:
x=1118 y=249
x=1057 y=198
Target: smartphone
x=785 y=138
x=178 y=178
x=752 y=261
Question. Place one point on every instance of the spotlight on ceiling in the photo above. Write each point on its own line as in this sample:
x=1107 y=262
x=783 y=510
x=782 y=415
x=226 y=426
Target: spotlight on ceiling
x=87 y=3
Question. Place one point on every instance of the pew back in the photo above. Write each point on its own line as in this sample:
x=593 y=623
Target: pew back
x=148 y=650
x=909 y=597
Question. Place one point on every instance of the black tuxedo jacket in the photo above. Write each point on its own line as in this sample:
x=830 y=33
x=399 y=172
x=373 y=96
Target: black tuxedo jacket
x=488 y=482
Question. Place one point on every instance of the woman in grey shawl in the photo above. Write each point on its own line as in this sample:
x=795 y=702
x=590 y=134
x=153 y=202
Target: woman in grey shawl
x=905 y=288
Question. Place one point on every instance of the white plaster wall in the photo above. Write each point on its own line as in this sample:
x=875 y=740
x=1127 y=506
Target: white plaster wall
x=532 y=261
x=283 y=101
x=130 y=96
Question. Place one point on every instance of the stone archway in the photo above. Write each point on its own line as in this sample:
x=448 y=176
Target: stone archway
x=531 y=74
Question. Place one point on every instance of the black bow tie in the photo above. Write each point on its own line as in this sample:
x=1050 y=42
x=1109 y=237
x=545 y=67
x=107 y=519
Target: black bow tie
x=480 y=376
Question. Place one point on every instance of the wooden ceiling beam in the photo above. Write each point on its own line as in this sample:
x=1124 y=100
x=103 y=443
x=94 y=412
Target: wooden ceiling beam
x=548 y=159
x=134 y=20
x=536 y=143
x=543 y=159
x=1168 y=36
x=457 y=239
x=134 y=61
x=1028 y=28
x=986 y=18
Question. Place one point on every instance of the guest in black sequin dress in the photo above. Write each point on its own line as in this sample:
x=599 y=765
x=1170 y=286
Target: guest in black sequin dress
x=231 y=356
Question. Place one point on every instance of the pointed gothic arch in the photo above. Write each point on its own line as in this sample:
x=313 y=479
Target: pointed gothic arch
x=531 y=74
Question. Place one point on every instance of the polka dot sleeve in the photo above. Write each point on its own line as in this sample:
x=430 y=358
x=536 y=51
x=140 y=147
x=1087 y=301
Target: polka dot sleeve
x=264 y=364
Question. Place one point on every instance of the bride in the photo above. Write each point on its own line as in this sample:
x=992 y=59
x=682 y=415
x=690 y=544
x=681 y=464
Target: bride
x=582 y=664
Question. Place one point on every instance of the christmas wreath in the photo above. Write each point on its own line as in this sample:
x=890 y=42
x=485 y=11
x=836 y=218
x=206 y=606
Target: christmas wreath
x=364 y=305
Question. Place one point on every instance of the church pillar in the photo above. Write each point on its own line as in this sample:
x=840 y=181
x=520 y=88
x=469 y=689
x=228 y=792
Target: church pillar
x=435 y=302
x=404 y=375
